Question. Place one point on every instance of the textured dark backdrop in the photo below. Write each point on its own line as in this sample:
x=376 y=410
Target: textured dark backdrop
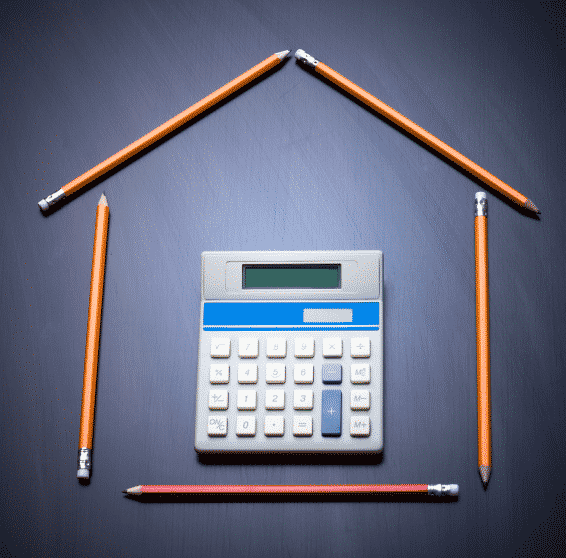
x=289 y=163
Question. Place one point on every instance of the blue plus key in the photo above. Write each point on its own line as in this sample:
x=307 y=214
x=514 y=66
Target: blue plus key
x=331 y=420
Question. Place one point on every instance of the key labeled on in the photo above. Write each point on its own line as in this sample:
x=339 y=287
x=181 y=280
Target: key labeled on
x=220 y=347
x=217 y=425
x=331 y=412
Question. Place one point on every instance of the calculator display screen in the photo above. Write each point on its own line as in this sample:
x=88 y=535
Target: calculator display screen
x=291 y=276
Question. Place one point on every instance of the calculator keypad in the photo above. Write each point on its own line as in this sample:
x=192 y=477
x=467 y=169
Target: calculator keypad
x=321 y=386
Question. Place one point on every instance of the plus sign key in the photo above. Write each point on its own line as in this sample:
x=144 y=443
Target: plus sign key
x=331 y=412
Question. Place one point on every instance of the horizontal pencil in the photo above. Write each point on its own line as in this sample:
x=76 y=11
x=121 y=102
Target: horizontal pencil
x=415 y=130
x=435 y=490
x=163 y=130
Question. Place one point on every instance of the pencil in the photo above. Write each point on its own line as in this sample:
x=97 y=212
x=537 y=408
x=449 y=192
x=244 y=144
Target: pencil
x=415 y=130
x=92 y=338
x=163 y=130
x=434 y=490
x=482 y=338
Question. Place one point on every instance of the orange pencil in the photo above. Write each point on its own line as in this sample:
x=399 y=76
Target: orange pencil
x=482 y=338
x=92 y=338
x=163 y=130
x=433 y=490
x=415 y=130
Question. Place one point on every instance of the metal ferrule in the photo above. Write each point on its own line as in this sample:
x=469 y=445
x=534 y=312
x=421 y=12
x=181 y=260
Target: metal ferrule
x=443 y=489
x=480 y=205
x=50 y=200
x=305 y=58
x=84 y=458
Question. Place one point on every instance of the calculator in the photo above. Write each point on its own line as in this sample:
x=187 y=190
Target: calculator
x=290 y=356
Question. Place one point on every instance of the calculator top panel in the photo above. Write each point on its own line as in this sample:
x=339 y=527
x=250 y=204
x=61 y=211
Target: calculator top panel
x=256 y=275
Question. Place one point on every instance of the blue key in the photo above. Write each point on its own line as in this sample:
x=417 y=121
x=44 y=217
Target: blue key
x=331 y=373
x=331 y=420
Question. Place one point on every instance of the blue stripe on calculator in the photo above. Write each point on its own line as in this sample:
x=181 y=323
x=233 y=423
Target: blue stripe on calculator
x=331 y=419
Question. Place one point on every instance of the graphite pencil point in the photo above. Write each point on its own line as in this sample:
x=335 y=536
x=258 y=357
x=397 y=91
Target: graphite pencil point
x=485 y=473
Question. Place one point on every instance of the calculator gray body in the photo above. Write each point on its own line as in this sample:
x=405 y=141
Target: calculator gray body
x=335 y=312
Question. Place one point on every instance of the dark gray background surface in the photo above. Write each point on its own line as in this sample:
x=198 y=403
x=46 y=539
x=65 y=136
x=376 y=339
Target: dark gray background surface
x=290 y=163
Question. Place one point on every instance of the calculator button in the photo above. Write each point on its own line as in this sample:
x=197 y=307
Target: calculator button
x=331 y=373
x=218 y=399
x=274 y=373
x=304 y=347
x=360 y=347
x=217 y=425
x=331 y=412
x=360 y=373
x=247 y=373
x=359 y=400
x=332 y=347
x=302 y=399
x=302 y=425
x=275 y=399
x=245 y=426
x=274 y=425
x=248 y=347
x=276 y=347
x=219 y=373
x=220 y=347
x=247 y=399
x=360 y=426
x=304 y=373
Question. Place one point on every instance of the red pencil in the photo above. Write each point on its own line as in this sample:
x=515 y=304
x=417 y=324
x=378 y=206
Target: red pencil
x=435 y=490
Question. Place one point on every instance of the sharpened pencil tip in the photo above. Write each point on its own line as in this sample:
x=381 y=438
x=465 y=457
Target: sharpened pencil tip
x=530 y=205
x=103 y=200
x=485 y=473
x=282 y=54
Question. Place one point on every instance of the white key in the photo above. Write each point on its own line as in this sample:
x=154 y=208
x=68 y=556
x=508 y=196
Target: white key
x=245 y=426
x=302 y=425
x=275 y=399
x=359 y=400
x=220 y=347
x=218 y=399
x=304 y=373
x=247 y=399
x=276 y=347
x=274 y=425
x=302 y=399
x=332 y=347
x=304 y=347
x=248 y=347
x=219 y=373
x=359 y=426
x=360 y=373
x=274 y=373
x=247 y=373
x=360 y=347
x=217 y=425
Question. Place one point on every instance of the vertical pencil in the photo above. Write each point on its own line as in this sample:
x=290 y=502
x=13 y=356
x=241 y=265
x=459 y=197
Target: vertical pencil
x=92 y=338
x=163 y=130
x=482 y=338
x=414 y=129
